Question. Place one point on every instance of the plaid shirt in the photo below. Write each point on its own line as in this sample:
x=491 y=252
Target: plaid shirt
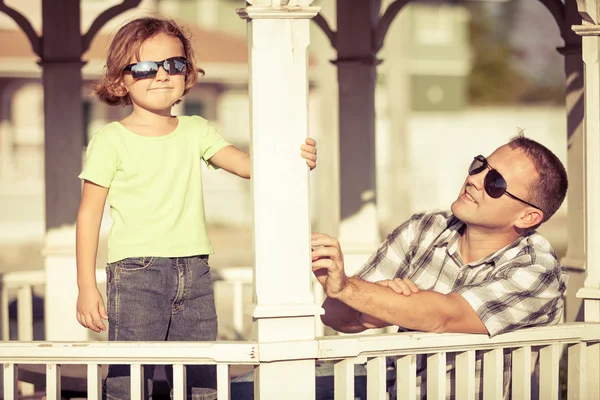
x=518 y=286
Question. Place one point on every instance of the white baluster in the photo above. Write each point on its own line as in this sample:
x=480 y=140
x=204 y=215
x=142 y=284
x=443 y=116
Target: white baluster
x=493 y=374
x=137 y=382
x=577 y=372
x=11 y=378
x=344 y=380
x=25 y=314
x=465 y=375
x=376 y=378
x=94 y=382
x=179 y=379
x=406 y=377
x=223 y=382
x=436 y=376
x=521 y=373
x=238 y=308
x=549 y=360
x=593 y=370
x=4 y=311
x=53 y=390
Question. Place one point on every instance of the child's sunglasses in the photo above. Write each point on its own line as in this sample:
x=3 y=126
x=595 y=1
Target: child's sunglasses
x=149 y=69
x=494 y=183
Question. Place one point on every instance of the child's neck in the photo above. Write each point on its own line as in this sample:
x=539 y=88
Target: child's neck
x=149 y=123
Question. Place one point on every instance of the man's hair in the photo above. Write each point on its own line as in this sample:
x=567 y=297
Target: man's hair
x=550 y=189
x=127 y=43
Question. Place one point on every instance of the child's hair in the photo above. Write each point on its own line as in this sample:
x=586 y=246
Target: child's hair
x=127 y=42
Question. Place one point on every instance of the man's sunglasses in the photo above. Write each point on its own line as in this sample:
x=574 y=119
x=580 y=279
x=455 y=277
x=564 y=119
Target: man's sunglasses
x=494 y=183
x=149 y=69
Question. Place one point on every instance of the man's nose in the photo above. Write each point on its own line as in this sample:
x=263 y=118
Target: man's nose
x=476 y=180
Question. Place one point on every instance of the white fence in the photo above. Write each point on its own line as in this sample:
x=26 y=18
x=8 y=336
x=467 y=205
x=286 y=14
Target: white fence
x=581 y=340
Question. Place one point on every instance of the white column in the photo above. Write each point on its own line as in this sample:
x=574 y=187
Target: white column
x=283 y=303
x=63 y=146
x=591 y=144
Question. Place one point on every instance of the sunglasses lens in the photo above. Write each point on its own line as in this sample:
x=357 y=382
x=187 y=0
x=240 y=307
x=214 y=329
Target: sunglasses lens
x=175 y=65
x=477 y=165
x=144 y=69
x=494 y=184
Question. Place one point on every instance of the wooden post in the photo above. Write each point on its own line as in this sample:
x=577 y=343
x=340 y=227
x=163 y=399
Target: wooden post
x=284 y=309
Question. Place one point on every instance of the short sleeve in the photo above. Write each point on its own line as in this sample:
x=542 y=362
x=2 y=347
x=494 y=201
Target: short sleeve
x=392 y=259
x=525 y=294
x=211 y=142
x=101 y=161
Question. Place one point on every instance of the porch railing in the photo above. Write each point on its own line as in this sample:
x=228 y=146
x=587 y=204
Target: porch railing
x=581 y=340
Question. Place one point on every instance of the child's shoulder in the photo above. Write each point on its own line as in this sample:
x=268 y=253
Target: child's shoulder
x=193 y=120
x=110 y=131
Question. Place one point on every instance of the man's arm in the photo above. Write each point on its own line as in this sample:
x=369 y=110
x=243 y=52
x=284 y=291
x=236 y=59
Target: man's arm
x=426 y=310
x=341 y=317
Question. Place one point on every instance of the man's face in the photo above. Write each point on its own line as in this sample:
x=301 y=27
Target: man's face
x=476 y=208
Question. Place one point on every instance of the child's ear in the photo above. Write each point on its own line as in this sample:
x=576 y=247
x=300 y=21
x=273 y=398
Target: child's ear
x=119 y=89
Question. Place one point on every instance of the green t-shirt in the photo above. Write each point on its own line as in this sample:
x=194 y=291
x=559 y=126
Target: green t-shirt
x=155 y=188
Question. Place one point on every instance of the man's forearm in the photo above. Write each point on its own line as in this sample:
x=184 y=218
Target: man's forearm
x=424 y=311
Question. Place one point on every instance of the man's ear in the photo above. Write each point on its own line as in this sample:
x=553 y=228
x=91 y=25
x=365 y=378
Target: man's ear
x=530 y=217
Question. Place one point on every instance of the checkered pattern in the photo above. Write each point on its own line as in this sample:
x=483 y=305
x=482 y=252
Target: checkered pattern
x=520 y=285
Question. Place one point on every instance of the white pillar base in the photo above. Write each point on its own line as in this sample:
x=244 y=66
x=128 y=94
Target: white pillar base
x=61 y=287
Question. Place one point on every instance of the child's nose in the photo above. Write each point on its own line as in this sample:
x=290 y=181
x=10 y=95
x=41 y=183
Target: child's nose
x=162 y=74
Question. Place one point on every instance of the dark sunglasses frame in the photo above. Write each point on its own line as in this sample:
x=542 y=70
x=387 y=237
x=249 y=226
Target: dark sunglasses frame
x=494 y=183
x=149 y=69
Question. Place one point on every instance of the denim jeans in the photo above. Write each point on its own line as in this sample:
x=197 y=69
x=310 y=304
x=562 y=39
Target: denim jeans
x=158 y=299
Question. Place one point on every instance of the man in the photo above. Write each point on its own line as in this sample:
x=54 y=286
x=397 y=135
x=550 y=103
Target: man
x=480 y=268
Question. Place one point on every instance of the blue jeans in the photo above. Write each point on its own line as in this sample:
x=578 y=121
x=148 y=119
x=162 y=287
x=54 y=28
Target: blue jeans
x=158 y=299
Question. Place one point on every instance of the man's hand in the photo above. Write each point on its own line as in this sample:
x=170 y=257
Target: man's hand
x=91 y=310
x=328 y=264
x=309 y=152
x=400 y=285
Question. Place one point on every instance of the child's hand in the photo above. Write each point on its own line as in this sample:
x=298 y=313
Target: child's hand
x=401 y=286
x=309 y=152
x=91 y=310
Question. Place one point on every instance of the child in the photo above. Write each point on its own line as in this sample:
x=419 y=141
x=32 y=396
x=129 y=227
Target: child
x=149 y=167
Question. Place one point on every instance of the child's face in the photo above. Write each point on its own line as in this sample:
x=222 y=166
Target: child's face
x=162 y=91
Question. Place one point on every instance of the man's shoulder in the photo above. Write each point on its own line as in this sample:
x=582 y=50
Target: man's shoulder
x=532 y=249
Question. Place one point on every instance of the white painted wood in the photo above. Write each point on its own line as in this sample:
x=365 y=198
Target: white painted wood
x=465 y=375
x=351 y=346
x=25 y=313
x=406 y=377
x=590 y=53
x=179 y=379
x=493 y=367
x=576 y=379
x=276 y=380
x=436 y=376
x=593 y=370
x=94 y=382
x=189 y=353
x=278 y=39
x=521 y=373
x=137 y=381
x=376 y=378
x=4 y=313
x=223 y=381
x=11 y=378
x=238 y=307
x=344 y=380
x=549 y=366
x=61 y=287
x=53 y=389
